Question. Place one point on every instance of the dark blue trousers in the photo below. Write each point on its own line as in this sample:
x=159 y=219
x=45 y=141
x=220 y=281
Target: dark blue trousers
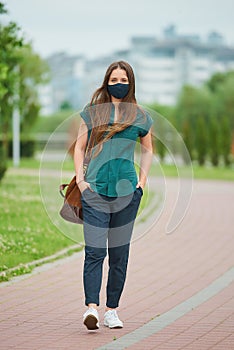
x=108 y=224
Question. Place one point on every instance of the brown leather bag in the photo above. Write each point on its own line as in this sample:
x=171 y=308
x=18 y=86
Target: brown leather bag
x=72 y=208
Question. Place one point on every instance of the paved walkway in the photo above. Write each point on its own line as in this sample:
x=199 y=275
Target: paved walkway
x=179 y=292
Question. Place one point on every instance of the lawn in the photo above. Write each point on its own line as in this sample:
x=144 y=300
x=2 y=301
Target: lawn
x=26 y=232
x=209 y=173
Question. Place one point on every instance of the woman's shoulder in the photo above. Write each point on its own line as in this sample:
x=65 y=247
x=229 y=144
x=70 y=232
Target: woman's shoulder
x=143 y=116
x=85 y=113
x=143 y=121
x=86 y=108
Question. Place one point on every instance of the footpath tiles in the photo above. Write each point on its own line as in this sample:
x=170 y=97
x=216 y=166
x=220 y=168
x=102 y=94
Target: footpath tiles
x=179 y=288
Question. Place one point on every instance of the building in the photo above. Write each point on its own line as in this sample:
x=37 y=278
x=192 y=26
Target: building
x=162 y=66
x=66 y=84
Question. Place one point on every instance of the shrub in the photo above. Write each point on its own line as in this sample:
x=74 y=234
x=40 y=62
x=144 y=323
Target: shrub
x=27 y=147
x=3 y=164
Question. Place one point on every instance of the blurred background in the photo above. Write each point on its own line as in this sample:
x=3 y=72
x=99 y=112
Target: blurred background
x=54 y=56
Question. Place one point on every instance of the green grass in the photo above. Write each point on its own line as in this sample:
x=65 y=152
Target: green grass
x=50 y=123
x=208 y=173
x=212 y=173
x=29 y=163
x=26 y=232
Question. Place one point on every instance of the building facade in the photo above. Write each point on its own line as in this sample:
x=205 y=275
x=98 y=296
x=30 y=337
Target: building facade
x=162 y=67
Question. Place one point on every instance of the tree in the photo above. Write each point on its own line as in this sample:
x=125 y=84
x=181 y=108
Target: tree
x=162 y=115
x=192 y=103
x=65 y=105
x=21 y=71
x=33 y=72
x=9 y=58
x=188 y=137
x=226 y=139
x=214 y=141
x=9 y=42
x=215 y=81
x=222 y=87
x=201 y=140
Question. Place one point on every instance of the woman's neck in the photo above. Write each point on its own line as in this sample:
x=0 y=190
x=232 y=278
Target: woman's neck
x=115 y=100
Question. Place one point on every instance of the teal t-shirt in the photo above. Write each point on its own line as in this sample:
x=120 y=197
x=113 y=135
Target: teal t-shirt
x=112 y=172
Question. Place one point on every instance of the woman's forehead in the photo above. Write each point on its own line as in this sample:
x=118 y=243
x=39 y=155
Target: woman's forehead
x=118 y=72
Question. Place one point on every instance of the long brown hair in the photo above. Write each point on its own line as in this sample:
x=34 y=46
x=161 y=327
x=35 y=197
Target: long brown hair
x=100 y=107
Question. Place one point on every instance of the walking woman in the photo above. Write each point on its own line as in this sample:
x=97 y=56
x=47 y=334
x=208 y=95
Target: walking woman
x=110 y=127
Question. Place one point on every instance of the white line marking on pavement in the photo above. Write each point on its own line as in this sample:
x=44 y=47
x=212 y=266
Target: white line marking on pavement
x=172 y=315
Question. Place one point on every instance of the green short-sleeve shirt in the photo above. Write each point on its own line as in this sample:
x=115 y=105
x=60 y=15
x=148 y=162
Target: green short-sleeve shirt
x=112 y=173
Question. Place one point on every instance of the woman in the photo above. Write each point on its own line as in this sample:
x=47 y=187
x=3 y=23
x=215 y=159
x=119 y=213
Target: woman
x=111 y=191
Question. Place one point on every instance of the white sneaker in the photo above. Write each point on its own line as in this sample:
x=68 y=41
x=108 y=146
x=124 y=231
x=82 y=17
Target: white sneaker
x=112 y=320
x=91 y=319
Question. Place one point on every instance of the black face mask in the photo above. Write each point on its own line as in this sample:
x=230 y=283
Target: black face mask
x=118 y=90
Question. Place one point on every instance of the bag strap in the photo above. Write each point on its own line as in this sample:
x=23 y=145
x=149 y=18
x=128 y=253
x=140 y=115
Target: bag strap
x=62 y=188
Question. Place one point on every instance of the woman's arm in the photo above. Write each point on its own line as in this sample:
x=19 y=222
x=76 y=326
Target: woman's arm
x=79 y=153
x=146 y=158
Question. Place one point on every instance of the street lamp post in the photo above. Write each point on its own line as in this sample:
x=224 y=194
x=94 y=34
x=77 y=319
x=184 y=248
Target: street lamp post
x=16 y=137
x=16 y=125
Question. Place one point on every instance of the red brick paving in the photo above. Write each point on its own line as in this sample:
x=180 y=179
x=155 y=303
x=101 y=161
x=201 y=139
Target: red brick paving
x=44 y=311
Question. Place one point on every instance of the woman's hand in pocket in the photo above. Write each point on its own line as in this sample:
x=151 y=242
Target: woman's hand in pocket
x=140 y=184
x=83 y=185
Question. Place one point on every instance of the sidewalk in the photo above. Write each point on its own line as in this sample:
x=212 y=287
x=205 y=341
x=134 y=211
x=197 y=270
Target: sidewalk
x=179 y=292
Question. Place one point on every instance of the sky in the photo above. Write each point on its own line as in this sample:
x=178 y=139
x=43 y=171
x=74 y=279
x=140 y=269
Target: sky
x=96 y=28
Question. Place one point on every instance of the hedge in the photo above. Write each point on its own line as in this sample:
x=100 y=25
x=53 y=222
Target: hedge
x=27 y=148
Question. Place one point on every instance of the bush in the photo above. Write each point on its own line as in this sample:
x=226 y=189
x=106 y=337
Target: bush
x=50 y=123
x=201 y=140
x=27 y=147
x=226 y=140
x=214 y=141
x=3 y=165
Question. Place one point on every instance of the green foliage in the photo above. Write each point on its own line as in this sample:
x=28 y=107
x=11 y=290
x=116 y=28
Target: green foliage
x=48 y=124
x=199 y=115
x=161 y=141
x=66 y=105
x=201 y=140
x=226 y=139
x=3 y=164
x=162 y=113
x=165 y=111
x=215 y=81
x=3 y=76
x=222 y=95
x=21 y=72
x=9 y=43
x=192 y=102
x=214 y=141
x=160 y=149
x=188 y=137
x=27 y=147
x=33 y=72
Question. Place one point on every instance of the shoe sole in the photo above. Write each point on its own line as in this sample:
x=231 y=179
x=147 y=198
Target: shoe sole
x=113 y=327
x=91 y=322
